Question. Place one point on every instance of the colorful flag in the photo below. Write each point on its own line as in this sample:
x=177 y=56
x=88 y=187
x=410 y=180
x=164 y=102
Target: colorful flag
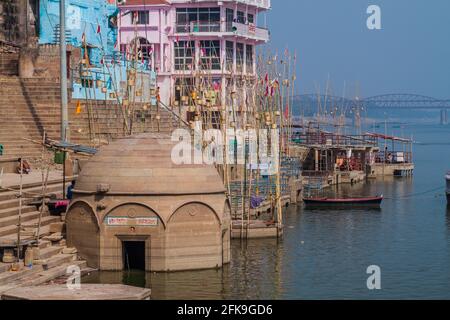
x=98 y=28
x=78 y=110
x=286 y=112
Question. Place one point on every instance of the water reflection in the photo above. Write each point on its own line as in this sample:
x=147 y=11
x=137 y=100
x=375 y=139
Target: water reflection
x=448 y=216
x=198 y=285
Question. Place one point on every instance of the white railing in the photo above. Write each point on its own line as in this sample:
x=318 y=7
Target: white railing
x=264 y=4
x=198 y=26
x=251 y=31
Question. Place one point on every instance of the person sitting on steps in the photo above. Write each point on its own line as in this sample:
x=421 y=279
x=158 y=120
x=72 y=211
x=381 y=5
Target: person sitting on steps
x=26 y=168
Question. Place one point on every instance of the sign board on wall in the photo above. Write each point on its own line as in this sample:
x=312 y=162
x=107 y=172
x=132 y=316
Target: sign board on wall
x=73 y=18
x=125 y=222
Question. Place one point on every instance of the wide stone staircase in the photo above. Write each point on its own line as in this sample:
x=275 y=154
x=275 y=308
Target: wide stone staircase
x=28 y=107
x=31 y=107
x=9 y=63
x=51 y=256
x=9 y=211
x=55 y=261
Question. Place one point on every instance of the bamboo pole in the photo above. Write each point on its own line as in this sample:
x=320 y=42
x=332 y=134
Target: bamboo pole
x=19 y=224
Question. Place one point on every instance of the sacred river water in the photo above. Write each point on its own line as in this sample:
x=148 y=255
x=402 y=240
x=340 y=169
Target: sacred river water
x=325 y=254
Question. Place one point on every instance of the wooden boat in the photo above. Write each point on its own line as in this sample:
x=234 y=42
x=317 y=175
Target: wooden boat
x=369 y=202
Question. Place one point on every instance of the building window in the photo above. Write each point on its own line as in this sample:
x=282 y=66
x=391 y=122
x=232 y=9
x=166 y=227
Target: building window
x=249 y=58
x=210 y=55
x=140 y=17
x=240 y=17
x=251 y=18
x=198 y=20
x=229 y=19
x=183 y=88
x=239 y=57
x=184 y=55
x=230 y=55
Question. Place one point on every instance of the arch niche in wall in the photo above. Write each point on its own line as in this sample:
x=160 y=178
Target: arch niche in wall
x=83 y=233
x=194 y=238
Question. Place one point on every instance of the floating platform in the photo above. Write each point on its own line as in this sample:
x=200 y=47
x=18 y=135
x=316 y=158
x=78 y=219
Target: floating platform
x=87 y=292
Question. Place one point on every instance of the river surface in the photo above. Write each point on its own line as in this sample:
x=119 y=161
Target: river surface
x=325 y=254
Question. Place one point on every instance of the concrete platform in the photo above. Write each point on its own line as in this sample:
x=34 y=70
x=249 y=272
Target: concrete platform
x=34 y=179
x=87 y=292
x=389 y=169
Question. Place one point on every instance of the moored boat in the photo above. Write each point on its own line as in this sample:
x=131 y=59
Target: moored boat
x=369 y=202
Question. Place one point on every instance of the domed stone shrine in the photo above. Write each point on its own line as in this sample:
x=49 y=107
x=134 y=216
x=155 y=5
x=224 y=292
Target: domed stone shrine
x=133 y=208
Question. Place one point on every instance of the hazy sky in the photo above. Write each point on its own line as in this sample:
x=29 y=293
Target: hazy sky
x=411 y=54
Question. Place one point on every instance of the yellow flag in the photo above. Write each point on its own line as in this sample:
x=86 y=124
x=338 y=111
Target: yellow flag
x=78 y=111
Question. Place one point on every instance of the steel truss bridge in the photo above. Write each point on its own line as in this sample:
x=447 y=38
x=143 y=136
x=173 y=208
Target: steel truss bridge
x=331 y=104
x=387 y=101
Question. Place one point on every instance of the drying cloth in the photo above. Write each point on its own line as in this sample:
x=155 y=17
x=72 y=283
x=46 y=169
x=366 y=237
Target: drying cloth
x=62 y=203
x=255 y=202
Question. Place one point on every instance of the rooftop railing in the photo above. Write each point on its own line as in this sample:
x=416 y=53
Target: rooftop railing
x=264 y=4
x=331 y=139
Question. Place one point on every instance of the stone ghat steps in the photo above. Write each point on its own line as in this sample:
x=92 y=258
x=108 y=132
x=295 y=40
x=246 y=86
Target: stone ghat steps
x=12 y=212
x=28 y=233
x=54 y=187
x=28 y=107
x=16 y=80
x=9 y=208
x=54 y=267
x=8 y=226
x=40 y=275
x=19 y=96
x=20 y=148
x=9 y=64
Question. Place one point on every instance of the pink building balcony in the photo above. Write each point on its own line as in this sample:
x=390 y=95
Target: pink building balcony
x=248 y=31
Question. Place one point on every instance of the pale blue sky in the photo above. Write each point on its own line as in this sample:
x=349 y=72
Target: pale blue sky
x=411 y=54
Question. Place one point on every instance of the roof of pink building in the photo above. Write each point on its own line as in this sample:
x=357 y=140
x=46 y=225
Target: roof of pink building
x=146 y=2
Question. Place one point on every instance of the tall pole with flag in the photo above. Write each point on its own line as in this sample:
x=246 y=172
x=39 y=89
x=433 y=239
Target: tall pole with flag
x=63 y=73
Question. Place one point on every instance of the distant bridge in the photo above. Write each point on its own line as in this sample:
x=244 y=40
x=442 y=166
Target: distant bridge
x=405 y=101
x=386 y=101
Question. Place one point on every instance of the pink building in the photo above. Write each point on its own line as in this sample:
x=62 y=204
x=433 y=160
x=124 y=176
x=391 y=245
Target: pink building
x=183 y=38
